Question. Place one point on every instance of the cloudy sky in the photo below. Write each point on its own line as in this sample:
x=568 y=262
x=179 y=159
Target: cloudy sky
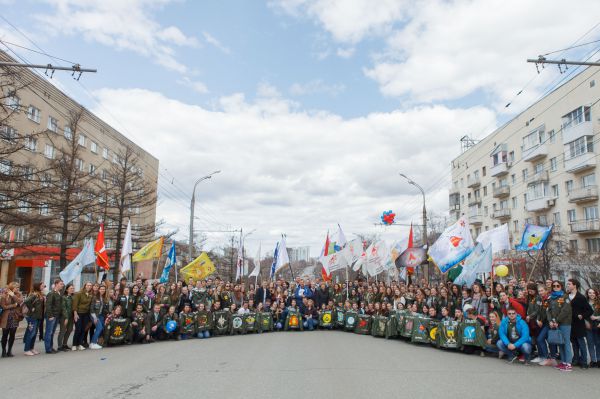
x=310 y=108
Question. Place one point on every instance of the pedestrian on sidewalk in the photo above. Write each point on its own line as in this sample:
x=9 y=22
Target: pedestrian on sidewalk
x=35 y=314
x=53 y=312
x=11 y=302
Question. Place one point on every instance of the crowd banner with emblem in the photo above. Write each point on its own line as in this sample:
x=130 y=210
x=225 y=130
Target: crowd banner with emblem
x=420 y=332
x=236 y=324
x=408 y=323
x=326 y=319
x=471 y=333
x=340 y=315
x=199 y=268
x=265 y=322
x=293 y=320
x=391 y=328
x=152 y=250
x=117 y=331
x=433 y=331
x=221 y=322
x=350 y=320
x=250 y=323
x=187 y=324
x=452 y=246
x=363 y=324
x=204 y=320
x=379 y=325
x=448 y=334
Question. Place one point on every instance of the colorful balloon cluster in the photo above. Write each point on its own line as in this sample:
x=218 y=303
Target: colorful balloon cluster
x=387 y=217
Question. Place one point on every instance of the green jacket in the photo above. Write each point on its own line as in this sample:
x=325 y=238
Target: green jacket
x=82 y=302
x=53 y=304
x=559 y=310
x=67 y=307
x=36 y=307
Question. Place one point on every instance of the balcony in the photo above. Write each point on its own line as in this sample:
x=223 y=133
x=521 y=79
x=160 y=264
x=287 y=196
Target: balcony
x=476 y=219
x=584 y=194
x=500 y=169
x=538 y=177
x=473 y=182
x=585 y=226
x=573 y=132
x=454 y=207
x=581 y=162
x=535 y=153
x=453 y=191
x=501 y=192
x=501 y=214
x=474 y=201
x=539 y=204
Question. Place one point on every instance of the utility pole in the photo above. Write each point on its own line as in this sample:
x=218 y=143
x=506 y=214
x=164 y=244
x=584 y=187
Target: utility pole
x=541 y=61
x=425 y=241
x=192 y=204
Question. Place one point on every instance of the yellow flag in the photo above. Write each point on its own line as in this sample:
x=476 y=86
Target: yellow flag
x=152 y=250
x=199 y=268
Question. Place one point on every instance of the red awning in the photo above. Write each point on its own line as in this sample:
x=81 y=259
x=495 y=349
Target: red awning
x=35 y=262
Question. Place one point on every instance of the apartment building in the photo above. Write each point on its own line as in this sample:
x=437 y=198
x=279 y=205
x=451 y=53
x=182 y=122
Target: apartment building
x=538 y=168
x=42 y=107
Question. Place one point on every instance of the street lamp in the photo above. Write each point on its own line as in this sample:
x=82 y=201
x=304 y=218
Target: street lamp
x=192 y=203
x=410 y=181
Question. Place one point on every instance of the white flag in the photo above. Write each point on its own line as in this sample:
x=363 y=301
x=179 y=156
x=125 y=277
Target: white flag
x=335 y=261
x=127 y=250
x=84 y=258
x=256 y=269
x=377 y=257
x=282 y=255
x=341 y=237
x=497 y=237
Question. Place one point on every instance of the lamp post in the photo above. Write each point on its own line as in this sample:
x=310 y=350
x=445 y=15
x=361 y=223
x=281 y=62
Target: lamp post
x=192 y=203
x=411 y=182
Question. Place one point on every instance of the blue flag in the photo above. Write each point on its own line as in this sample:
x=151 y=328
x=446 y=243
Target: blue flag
x=534 y=237
x=275 y=256
x=171 y=259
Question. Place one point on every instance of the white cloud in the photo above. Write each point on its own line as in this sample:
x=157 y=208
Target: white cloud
x=345 y=52
x=124 y=25
x=288 y=170
x=196 y=85
x=316 y=86
x=210 y=39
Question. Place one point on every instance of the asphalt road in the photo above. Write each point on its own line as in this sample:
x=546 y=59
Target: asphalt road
x=319 y=364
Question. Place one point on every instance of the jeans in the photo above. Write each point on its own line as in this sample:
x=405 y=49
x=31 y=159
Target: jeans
x=543 y=346
x=30 y=333
x=310 y=324
x=203 y=334
x=525 y=349
x=99 y=329
x=579 y=350
x=593 y=344
x=566 y=354
x=80 y=325
x=491 y=348
x=51 y=325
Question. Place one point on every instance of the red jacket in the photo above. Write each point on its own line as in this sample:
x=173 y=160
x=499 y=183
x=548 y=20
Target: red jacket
x=519 y=307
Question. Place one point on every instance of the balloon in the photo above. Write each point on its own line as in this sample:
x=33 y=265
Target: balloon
x=501 y=271
x=387 y=217
x=171 y=326
x=454 y=273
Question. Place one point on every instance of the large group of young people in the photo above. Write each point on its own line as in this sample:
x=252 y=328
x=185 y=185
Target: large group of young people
x=544 y=322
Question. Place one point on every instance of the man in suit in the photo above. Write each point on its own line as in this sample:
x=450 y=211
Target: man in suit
x=262 y=294
x=153 y=324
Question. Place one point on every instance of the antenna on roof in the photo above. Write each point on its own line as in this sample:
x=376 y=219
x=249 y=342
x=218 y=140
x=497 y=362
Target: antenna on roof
x=466 y=142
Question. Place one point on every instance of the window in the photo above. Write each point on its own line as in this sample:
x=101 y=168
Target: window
x=485 y=211
x=513 y=179
x=20 y=234
x=52 y=124
x=542 y=220
x=483 y=171
x=537 y=191
x=5 y=166
x=68 y=133
x=31 y=143
x=94 y=147
x=573 y=245
x=80 y=165
x=516 y=225
x=105 y=153
x=580 y=146
x=13 y=102
x=511 y=156
x=552 y=136
x=538 y=168
x=504 y=204
x=515 y=202
x=92 y=169
x=49 y=151
x=577 y=116
x=529 y=221
x=8 y=133
x=28 y=173
x=46 y=180
x=34 y=114
x=525 y=174
x=556 y=217
x=44 y=209
x=593 y=245
x=588 y=180
x=484 y=191
x=553 y=164
x=571 y=215
x=590 y=212
x=105 y=175
x=23 y=206
x=535 y=138
x=81 y=140
x=555 y=191
x=569 y=186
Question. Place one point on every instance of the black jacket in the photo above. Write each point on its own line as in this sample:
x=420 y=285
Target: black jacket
x=321 y=297
x=580 y=306
x=259 y=296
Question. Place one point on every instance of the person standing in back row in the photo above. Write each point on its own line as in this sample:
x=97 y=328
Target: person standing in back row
x=81 y=315
x=581 y=311
x=53 y=313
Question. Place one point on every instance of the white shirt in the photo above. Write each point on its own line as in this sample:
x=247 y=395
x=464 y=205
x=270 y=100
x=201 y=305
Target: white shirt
x=243 y=311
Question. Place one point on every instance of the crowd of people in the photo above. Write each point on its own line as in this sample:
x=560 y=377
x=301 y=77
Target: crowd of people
x=543 y=322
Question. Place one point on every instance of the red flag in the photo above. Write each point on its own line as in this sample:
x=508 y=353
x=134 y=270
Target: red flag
x=100 y=250
x=410 y=270
x=324 y=274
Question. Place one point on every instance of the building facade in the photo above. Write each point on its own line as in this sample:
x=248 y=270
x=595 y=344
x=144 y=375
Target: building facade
x=539 y=168
x=39 y=107
x=299 y=254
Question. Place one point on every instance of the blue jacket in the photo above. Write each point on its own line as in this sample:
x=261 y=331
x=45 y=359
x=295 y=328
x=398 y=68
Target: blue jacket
x=522 y=330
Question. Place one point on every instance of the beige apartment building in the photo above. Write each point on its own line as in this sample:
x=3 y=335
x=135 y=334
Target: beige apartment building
x=538 y=168
x=43 y=107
